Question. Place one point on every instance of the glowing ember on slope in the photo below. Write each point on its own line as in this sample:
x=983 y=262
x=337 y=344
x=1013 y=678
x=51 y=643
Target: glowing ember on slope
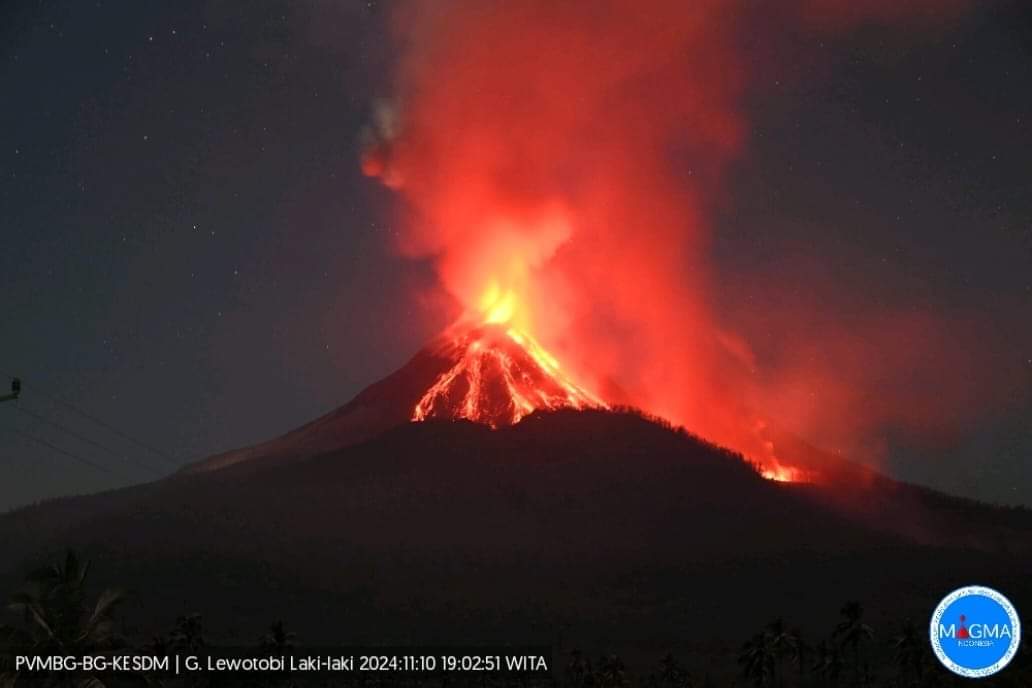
x=782 y=474
x=770 y=466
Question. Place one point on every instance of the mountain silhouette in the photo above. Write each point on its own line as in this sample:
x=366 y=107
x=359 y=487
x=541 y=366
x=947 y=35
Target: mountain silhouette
x=490 y=373
x=606 y=528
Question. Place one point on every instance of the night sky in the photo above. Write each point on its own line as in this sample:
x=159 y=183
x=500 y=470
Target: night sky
x=192 y=256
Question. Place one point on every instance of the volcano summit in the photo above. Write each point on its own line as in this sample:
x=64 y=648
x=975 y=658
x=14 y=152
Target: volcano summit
x=499 y=376
x=493 y=374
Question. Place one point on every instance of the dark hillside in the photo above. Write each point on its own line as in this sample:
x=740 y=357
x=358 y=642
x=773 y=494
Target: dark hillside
x=597 y=526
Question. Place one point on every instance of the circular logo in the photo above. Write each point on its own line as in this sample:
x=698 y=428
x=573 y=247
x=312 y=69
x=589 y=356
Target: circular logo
x=975 y=631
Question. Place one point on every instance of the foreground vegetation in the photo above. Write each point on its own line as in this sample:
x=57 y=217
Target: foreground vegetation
x=59 y=617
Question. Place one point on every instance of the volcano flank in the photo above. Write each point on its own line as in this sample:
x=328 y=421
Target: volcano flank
x=550 y=517
x=491 y=373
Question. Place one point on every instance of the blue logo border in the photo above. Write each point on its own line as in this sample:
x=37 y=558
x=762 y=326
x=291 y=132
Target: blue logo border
x=1008 y=608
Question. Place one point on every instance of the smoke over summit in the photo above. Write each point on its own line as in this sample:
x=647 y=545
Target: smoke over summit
x=567 y=159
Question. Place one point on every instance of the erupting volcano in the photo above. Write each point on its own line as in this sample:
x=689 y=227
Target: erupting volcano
x=499 y=376
x=566 y=178
x=494 y=372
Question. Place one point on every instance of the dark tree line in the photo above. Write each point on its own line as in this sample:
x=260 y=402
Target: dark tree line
x=56 y=615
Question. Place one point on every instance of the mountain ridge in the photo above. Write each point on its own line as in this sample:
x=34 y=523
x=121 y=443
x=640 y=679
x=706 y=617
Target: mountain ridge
x=605 y=523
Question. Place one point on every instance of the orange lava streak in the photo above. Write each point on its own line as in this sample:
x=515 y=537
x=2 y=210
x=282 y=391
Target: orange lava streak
x=499 y=376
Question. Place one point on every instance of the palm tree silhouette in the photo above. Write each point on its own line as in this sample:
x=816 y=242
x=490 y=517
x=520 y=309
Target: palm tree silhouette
x=757 y=660
x=851 y=632
x=797 y=652
x=188 y=634
x=827 y=664
x=671 y=675
x=578 y=669
x=277 y=640
x=909 y=647
x=611 y=673
x=187 y=638
x=57 y=617
x=780 y=641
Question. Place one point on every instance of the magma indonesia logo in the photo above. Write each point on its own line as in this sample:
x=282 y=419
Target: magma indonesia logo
x=975 y=631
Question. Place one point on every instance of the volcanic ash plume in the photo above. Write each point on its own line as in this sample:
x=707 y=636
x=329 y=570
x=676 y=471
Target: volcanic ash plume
x=560 y=160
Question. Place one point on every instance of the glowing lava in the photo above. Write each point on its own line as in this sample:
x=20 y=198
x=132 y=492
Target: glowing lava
x=499 y=376
x=500 y=373
x=782 y=474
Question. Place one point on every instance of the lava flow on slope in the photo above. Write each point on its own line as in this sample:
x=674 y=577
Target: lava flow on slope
x=499 y=375
x=495 y=372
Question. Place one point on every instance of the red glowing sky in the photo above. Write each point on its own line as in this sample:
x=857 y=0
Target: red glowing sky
x=570 y=158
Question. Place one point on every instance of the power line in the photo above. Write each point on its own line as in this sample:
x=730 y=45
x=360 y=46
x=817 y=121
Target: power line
x=88 y=416
x=85 y=439
x=143 y=445
x=61 y=451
